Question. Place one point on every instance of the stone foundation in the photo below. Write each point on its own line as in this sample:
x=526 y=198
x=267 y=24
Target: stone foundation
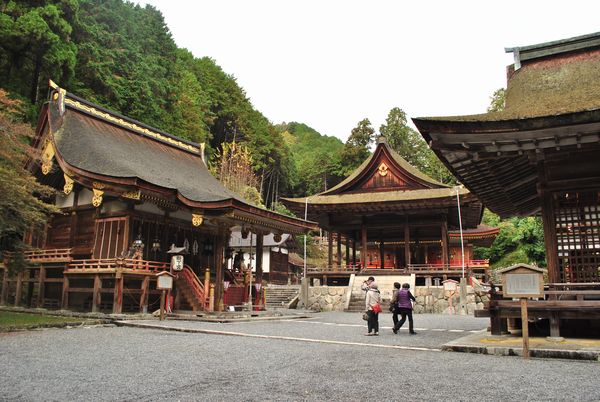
x=430 y=299
x=327 y=298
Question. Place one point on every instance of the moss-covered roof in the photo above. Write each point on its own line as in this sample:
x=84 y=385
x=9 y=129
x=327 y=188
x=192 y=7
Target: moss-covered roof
x=567 y=83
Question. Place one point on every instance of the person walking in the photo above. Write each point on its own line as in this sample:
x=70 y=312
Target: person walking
x=394 y=304
x=373 y=306
x=405 y=308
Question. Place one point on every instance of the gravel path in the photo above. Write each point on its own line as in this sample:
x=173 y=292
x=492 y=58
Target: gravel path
x=120 y=363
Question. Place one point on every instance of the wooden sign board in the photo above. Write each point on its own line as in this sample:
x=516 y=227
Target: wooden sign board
x=164 y=282
x=450 y=285
x=523 y=281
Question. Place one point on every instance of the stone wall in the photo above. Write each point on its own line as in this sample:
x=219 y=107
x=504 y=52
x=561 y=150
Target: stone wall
x=434 y=299
x=327 y=298
x=430 y=299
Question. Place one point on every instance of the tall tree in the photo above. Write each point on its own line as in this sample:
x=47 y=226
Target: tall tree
x=22 y=205
x=35 y=42
x=497 y=100
x=411 y=146
x=357 y=147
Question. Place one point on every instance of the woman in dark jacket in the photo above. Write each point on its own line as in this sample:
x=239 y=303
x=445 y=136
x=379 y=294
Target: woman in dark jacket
x=404 y=301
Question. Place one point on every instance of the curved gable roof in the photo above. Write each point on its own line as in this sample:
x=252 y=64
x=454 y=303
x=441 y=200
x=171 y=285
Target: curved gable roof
x=409 y=177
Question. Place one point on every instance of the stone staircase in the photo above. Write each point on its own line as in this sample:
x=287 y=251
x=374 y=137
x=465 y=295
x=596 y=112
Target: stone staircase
x=279 y=296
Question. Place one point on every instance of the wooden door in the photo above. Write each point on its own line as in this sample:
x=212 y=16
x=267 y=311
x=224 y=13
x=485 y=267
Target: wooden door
x=111 y=237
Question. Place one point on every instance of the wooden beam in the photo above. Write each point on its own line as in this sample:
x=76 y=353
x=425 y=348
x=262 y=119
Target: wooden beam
x=96 y=297
x=406 y=245
x=19 y=289
x=259 y=257
x=329 y=249
x=64 y=304
x=339 y=250
x=363 y=247
x=41 y=286
x=118 y=293
x=445 y=251
x=144 y=297
x=347 y=249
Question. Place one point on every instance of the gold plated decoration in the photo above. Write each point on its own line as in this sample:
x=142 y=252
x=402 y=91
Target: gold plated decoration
x=134 y=195
x=383 y=169
x=68 y=187
x=197 y=219
x=131 y=126
x=47 y=156
x=97 y=198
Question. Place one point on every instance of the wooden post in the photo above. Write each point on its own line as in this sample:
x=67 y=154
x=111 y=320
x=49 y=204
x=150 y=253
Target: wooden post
x=354 y=250
x=259 y=256
x=525 y=327
x=339 y=250
x=211 y=298
x=554 y=326
x=41 y=287
x=162 y=304
x=118 y=293
x=347 y=251
x=3 y=295
x=144 y=295
x=206 y=286
x=218 y=286
x=29 y=289
x=329 y=250
x=445 y=254
x=19 y=289
x=363 y=247
x=406 y=245
x=65 y=294
x=381 y=253
x=550 y=241
x=96 y=294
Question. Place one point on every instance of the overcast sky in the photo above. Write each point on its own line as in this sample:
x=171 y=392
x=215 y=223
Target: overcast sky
x=331 y=63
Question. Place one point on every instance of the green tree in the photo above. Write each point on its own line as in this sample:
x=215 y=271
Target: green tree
x=411 y=146
x=357 y=147
x=35 y=42
x=497 y=100
x=22 y=205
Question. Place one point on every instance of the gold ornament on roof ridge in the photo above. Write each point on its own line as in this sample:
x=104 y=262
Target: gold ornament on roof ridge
x=132 y=126
x=47 y=156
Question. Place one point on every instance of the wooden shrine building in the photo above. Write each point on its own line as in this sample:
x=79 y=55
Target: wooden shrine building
x=539 y=156
x=393 y=219
x=129 y=193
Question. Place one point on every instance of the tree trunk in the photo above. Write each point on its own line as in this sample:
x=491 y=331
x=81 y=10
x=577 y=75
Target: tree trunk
x=35 y=79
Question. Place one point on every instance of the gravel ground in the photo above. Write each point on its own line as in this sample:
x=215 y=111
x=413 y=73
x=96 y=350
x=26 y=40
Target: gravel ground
x=120 y=363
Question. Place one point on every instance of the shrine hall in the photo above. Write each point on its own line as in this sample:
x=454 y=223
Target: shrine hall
x=390 y=218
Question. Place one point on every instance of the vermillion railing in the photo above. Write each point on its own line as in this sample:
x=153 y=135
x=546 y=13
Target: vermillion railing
x=114 y=263
x=47 y=255
x=195 y=285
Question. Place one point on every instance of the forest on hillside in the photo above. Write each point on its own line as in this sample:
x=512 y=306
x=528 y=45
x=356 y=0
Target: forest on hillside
x=122 y=56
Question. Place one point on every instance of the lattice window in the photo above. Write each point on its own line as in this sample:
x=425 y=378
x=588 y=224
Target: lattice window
x=578 y=235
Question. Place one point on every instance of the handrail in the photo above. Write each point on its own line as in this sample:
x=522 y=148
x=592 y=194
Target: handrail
x=195 y=285
x=42 y=255
x=114 y=263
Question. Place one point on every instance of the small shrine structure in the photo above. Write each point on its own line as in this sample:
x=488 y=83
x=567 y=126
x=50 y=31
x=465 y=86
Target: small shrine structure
x=393 y=219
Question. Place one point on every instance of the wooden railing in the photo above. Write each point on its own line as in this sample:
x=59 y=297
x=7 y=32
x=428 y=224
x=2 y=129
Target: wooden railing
x=45 y=255
x=114 y=263
x=195 y=285
x=469 y=265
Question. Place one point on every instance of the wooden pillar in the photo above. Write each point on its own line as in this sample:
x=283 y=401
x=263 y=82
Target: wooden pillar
x=3 y=295
x=118 y=293
x=550 y=241
x=339 y=250
x=19 y=289
x=444 y=232
x=354 y=249
x=144 y=295
x=554 y=326
x=41 y=287
x=65 y=294
x=96 y=296
x=381 y=253
x=406 y=245
x=363 y=246
x=29 y=290
x=329 y=249
x=222 y=240
x=259 y=257
x=426 y=251
x=347 y=250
